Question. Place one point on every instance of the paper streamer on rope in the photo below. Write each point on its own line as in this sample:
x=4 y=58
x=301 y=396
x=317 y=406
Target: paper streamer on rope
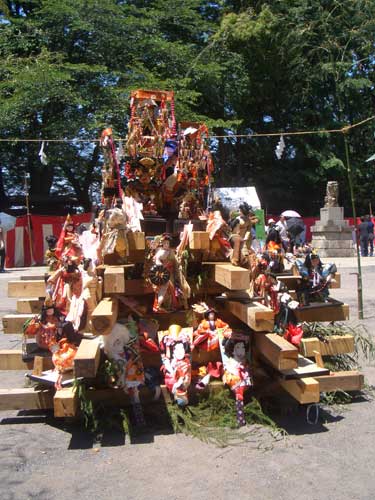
x=42 y=155
x=280 y=148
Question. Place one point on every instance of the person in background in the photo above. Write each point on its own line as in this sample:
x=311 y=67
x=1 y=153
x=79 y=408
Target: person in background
x=282 y=227
x=2 y=251
x=370 y=235
x=270 y=224
x=363 y=236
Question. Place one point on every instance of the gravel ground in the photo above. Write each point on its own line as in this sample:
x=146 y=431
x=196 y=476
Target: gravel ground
x=43 y=459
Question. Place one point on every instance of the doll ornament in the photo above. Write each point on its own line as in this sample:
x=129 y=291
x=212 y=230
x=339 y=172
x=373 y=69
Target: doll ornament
x=122 y=346
x=236 y=370
x=175 y=349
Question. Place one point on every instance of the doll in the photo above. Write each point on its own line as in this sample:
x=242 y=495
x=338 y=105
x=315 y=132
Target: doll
x=206 y=336
x=218 y=234
x=241 y=233
x=165 y=277
x=315 y=279
x=175 y=349
x=236 y=370
x=50 y=255
x=122 y=346
x=68 y=244
x=114 y=240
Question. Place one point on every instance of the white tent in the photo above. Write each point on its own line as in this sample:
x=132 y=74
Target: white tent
x=232 y=197
x=7 y=221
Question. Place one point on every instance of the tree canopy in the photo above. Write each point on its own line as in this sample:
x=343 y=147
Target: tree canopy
x=67 y=68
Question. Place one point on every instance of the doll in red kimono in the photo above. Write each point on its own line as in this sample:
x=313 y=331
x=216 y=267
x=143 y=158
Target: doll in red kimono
x=206 y=336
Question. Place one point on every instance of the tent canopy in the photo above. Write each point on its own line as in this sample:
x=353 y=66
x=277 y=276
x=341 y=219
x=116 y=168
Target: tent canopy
x=232 y=197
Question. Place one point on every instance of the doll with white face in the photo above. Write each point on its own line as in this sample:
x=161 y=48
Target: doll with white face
x=177 y=367
x=237 y=370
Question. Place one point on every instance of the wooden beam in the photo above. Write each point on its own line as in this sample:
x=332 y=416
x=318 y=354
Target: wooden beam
x=305 y=368
x=30 y=306
x=344 y=381
x=304 y=390
x=11 y=359
x=232 y=277
x=114 y=279
x=136 y=241
x=277 y=351
x=65 y=402
x=104 y=316
x=335 y=344
x=259 y=317
x=199 y=240
x=26 y=399
x=33 y=277
x=322 y=312
x=292 y=281
x=13 y=323
x=30 y=288
x=86 y=360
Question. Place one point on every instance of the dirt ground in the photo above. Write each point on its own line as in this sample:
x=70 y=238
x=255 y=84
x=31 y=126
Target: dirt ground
x=334 y=459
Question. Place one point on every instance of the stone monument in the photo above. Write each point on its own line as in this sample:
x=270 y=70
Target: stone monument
x=332 y=235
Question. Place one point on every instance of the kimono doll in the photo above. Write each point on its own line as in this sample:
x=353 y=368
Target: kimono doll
x=90 y=242
x=218 y=231
x=241 y=233
x=236 y=370
x=114 y=240
x=50 y=256
x=176 y=360
x=122 y=346
x=316 y=277
x=165 y=277
x=206 y=336
x=64 y=283
x=68 y=244
x=63 y=354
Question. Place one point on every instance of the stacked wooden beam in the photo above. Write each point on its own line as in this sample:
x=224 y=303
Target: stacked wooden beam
x=292 y=370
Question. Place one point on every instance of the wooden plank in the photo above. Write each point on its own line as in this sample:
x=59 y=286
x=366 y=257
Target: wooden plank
x=259 y=317
x=13 y=323
x=277 y=351
x=11 y=359
x=26 y=399
x=232 y=277
x=344 y=381
x=86 y=360
x=33 y=277
x=291 y=281
x=136 y=241
x=322 y=312
x=114 y=279
x=138 y=287
x=29 y=306
x=335 y=344
x=199 y=240
x=304 y=390
x=305 y=368
x=27 y=288
x=104 y=316
x=65 y=402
